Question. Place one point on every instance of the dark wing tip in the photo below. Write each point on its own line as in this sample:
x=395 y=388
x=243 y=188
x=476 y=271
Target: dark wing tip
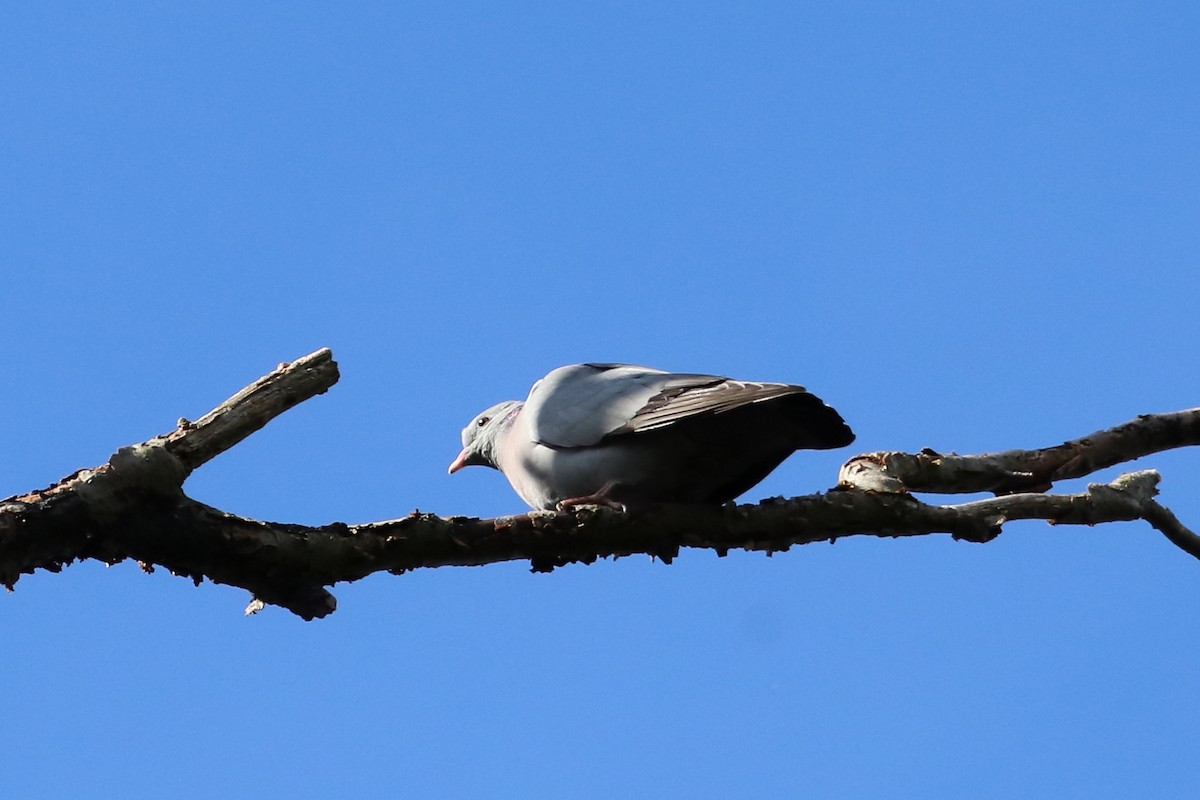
x=820 y=426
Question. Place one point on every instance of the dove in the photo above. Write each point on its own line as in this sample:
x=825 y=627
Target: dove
x=628 y=436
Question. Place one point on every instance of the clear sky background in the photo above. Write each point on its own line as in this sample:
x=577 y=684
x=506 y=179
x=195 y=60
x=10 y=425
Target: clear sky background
x=967 y=226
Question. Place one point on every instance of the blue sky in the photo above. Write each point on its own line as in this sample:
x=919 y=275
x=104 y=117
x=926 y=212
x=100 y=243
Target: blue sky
x=967 y=226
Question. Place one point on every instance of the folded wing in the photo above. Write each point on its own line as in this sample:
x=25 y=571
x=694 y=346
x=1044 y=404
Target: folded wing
x=582 y=404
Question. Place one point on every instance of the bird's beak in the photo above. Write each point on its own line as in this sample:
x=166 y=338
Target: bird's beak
x=463 y=460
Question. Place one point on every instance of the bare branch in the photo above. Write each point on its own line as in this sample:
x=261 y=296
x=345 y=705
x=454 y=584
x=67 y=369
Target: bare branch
x=194 y=443
x=1166 y=522
x=1022 y=470
x=133 y=507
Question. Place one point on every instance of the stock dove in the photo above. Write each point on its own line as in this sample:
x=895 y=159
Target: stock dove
x=623 y=435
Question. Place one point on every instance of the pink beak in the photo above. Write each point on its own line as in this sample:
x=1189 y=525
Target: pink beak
x=458 y=463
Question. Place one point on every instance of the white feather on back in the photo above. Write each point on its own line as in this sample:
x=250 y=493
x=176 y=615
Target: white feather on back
x=579 y=405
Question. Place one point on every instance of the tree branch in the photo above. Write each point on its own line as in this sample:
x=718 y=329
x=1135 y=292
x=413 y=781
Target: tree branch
x=194 y=443
x=1022 y=470
x=134 y=507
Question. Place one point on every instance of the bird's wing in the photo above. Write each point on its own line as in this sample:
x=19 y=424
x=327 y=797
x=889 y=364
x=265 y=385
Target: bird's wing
x=720 y=394
x=579 y=405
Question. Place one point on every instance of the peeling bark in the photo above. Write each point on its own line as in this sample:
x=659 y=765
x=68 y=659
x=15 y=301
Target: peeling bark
x=134 y=507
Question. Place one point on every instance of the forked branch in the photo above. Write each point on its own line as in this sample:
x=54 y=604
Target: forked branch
x=133 y=507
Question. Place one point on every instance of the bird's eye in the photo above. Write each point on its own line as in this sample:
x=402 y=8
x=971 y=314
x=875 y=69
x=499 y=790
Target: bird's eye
x=482 y=421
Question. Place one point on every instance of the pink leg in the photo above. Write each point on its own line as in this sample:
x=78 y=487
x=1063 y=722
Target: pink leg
x=598 y=498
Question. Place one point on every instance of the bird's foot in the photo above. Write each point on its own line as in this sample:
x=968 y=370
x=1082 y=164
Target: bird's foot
x=598 y=498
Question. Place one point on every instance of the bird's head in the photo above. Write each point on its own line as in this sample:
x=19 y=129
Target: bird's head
x=481 y=438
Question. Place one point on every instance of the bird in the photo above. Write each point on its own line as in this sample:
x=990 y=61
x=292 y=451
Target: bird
x=628 y=436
